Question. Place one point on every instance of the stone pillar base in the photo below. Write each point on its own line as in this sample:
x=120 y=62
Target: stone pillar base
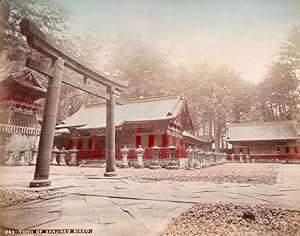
x=33 y=162
x=54 y=162
x=23 y=163
x=40 y=183
x=172 y=166
x=110 y=174
x=9 y=162
x=139 y=166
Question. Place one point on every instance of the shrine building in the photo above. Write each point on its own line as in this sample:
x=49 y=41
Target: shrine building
x=274 y=140
x=160 y=121
x=20 y=109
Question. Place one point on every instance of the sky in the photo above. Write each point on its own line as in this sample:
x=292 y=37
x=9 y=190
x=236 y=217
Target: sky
x=243 y=34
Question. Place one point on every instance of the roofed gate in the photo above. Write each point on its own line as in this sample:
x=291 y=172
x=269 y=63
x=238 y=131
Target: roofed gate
x=60 y=59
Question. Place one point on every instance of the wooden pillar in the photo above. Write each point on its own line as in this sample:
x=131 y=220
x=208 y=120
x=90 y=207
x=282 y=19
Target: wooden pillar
x=41 y=175
x=110 y=134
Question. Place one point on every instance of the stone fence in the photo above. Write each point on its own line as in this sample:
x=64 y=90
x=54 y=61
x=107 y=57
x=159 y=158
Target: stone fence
x=195 y=158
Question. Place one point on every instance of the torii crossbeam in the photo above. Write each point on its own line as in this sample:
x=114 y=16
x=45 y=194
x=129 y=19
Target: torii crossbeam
x=45 y=45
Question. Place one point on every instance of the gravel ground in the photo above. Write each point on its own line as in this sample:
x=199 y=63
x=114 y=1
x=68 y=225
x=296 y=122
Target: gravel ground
x=257 y=173
x=230 y=219
x=10 y=197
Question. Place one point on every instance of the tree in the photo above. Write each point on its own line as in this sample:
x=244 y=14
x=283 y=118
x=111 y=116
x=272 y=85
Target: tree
x=52 y=18
x=143 y=65
x=279 y=92
x=290 y=51
x=217 y=96
x=85 y=48
x=49 y=15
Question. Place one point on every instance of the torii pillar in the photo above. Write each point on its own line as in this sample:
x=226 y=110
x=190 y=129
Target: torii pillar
x=41 y=175
x=110 y=150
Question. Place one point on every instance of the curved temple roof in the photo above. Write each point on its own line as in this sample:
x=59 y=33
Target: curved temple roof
x=148 y=109
x=25 y=82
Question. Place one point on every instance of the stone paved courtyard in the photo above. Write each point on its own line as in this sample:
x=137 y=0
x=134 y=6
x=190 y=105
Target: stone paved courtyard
x=131 y=205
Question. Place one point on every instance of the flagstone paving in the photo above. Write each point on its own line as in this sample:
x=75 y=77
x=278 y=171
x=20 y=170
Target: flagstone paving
x=134 y=206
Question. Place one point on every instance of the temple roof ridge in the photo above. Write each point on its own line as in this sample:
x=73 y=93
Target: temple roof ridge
x=139 y=100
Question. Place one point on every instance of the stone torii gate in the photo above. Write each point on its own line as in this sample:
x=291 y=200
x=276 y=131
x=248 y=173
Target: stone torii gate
x=60 y=59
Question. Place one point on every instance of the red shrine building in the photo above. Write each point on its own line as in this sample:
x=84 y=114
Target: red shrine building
x=20 y=109
x=276 y=140
x=160 y=121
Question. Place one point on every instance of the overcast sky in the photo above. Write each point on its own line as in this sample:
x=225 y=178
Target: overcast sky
x=245 y=34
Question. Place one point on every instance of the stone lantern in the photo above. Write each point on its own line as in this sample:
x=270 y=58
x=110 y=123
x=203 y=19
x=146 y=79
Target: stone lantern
x=73 y=160
x=247 y=158
x=196 y=155
x=22 y=158
x=190 y=155
x=208 y=157
x=172 y=165
x=215 y=155
x=62 y=155
x=212 y=158
x=241 y=158
x=124 y=152
x=9 y=161
x=219 y=157
x=232 y=157
x=34 y=156
x=55 y=151
x=139 y=153
x=201 y=157
x=204 y=156
x=155 y=159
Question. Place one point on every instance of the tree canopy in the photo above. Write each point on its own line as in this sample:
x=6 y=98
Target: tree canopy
x=279 y=91
x=49 y=15
x=143 y=64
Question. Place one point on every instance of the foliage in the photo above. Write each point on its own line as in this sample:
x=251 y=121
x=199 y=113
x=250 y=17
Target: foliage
x=48 y=15
x=279 y=92
x=52 y=18
x=143 y=65
x=217 y=97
